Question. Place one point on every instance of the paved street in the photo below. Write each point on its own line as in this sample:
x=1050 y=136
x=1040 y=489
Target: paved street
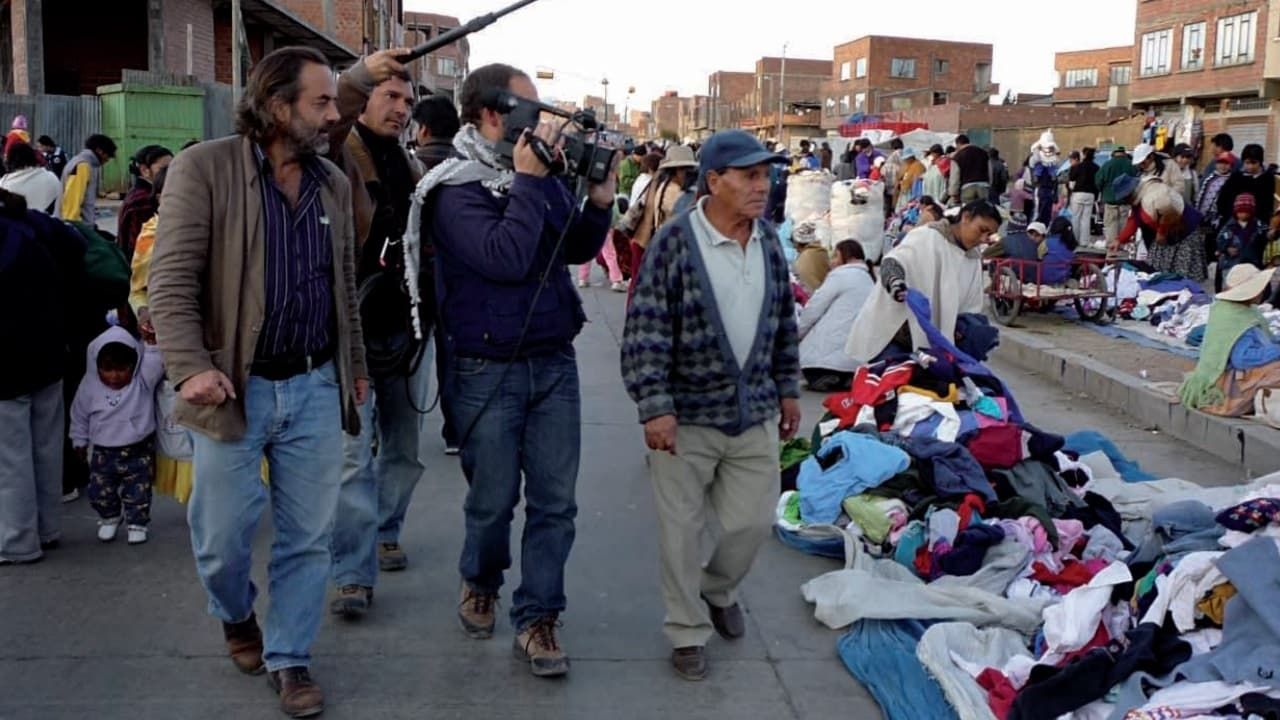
x=121 y=632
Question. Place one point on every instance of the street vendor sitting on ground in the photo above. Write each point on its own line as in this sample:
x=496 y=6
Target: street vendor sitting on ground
x=1239 y=356
x=942 y=260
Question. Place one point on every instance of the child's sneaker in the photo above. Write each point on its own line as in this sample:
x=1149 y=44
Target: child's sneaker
x=108 y=528
x=137 y=534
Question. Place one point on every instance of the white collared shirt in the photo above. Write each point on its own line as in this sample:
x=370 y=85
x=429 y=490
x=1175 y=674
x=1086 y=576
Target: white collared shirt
x=738 y=278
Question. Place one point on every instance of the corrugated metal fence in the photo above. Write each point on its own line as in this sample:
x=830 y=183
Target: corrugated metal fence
x=218 y=115
x=68 y=119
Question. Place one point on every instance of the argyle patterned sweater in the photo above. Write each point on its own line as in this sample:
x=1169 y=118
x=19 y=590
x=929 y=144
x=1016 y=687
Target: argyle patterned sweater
x=676 y=358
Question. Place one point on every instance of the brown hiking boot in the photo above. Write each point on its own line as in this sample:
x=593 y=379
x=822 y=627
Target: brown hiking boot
x=690 y=662
x=244 y=645
x=391 y=557
x=475 y=612
x=353 y=602
x=538 y=646
x=299 y=695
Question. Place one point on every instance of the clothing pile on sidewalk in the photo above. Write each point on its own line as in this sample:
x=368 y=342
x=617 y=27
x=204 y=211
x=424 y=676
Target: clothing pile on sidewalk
x=993 y=570
x=1143 y=296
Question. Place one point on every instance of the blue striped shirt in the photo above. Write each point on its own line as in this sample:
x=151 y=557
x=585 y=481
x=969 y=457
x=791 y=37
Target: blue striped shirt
x=299 y=267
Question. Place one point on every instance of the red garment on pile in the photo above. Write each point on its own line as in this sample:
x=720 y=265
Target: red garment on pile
x=968 y=506
x=997 y=446
x=1074 y=574
x=869 y=388
x=1000 y=692
x=1101 y=638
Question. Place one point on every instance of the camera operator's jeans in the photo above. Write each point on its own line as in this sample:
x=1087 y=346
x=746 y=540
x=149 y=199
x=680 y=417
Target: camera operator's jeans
x=531 y=425
x=376 y=490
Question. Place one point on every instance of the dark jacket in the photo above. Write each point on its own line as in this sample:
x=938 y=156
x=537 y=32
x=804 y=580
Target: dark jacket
x=433 y=153
x=973 y=164
x=1262 y=188
x=35 y=274
x=1085 y=177
x=1111 y=171
x=999 y=175
x=138 y=207
x=491 y=254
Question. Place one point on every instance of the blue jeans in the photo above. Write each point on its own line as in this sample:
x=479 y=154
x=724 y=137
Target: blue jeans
x=297 y=424
x=376 y=489
x=532 y=426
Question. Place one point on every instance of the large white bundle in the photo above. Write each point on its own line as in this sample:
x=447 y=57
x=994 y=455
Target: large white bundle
x=808 y=206
x=857 y=213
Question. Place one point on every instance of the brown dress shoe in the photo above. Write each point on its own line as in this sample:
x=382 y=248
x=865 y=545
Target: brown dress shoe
x=690 y=662
x=538 y=645
x=728 y=621
x=299 y=696
x=475 y=613
x=244 y=645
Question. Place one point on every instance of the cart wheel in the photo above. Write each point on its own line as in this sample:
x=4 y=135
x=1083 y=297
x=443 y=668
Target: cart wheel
x=1005 y=309
x=1096 y=310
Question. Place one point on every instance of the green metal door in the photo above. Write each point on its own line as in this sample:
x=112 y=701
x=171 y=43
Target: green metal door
x=135 y=115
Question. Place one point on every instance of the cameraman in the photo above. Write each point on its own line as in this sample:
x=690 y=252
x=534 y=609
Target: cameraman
x=375 y=99
x=510 y=315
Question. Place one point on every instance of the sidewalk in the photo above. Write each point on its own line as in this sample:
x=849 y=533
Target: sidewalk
x=1139 y=381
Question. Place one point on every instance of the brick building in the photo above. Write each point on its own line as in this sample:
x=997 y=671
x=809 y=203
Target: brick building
x=877 y=74
x=1211 y=61
x=666 y=115
x=800 y=93
x=440 y=71
x=730 y=94
x=1094 y=78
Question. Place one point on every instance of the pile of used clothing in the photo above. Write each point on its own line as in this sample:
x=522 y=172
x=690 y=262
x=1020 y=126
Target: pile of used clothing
x=993 y=570
x=1144 y=295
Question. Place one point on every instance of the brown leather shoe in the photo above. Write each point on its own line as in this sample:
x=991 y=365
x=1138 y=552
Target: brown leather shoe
x=475 y=612
x=728 y=621
x=299 y=695
x=690 y=662
x=537 y=645
x=244 y=645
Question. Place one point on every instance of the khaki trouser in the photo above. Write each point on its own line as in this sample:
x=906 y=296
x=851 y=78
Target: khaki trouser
x=1113 y=220
x=738 y=478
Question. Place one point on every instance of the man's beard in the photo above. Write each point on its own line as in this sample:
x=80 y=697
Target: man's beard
x=305 y=140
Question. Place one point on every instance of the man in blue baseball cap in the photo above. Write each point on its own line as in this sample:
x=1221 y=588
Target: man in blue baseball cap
x=711 y=357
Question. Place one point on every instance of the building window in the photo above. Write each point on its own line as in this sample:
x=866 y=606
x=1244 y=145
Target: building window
x=1120 y=74
x=844 y=105
x=900 y=103
x=831 y=107
x=860 y=68
x=902 y=68
x=939 y=98
x=860 y=102
x=940 y=67
x=446 y=67
x=1157 y=49
x=846 y=70
x=1084 y=77
x=1236 y=35
x=981 y=77
x=1193 y=46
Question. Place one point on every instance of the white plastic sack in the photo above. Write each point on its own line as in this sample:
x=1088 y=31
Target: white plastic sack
x=809 y=206
x=857 y=213
x=172 y=440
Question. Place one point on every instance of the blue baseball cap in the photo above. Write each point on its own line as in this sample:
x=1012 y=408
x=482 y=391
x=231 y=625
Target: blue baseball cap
x=734 y=149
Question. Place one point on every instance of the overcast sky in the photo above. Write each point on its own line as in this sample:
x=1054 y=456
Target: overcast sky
x=659 y=45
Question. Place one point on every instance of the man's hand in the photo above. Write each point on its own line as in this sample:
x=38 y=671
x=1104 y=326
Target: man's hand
x=898 y=289
x=526 y=161
x=660 y=433
x=605 y=194
x=383 y=64
x=362 y=390
x=789 y=425
x=145 y=328
x=210 y=388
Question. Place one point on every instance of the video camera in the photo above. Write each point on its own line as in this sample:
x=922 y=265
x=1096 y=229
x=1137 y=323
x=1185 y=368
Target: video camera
x=584 y=154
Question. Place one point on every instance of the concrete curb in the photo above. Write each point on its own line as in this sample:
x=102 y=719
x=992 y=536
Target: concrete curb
x=1253 y=446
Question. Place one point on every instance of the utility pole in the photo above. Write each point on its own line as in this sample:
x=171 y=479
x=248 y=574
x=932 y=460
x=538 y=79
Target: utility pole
x=236 y=70
x=605 y=83
x=782 y=89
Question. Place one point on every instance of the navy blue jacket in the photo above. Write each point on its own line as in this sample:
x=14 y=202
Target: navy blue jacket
x=490 y=255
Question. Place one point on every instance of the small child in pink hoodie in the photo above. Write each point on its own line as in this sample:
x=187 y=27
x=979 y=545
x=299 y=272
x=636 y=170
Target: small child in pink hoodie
x=114 y=412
